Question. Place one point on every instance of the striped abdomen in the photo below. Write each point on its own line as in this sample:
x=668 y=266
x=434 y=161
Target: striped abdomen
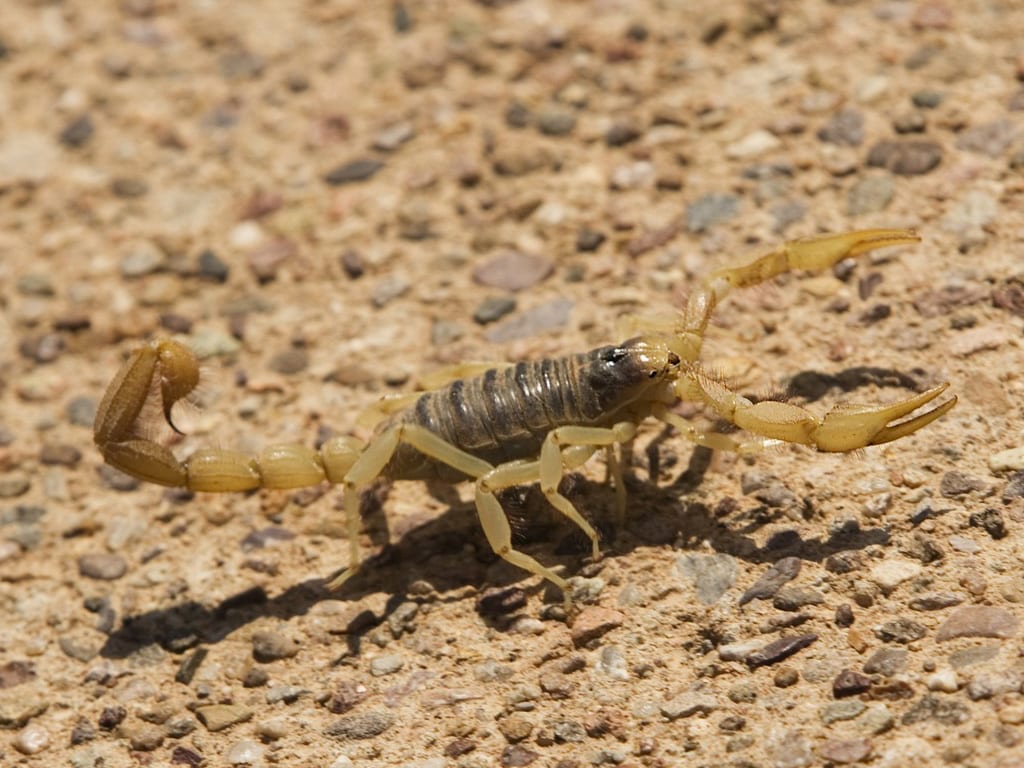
x=505 y=414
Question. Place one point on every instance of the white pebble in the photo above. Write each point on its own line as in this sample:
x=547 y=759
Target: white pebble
x=245 y=753
x=1007 y=461
x=32 y=739
x=246 y=235
x=943 y=680
x=890 y=573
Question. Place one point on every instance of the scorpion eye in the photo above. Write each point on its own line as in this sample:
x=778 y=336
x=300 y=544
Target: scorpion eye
x=652 y=374
x=673 y=359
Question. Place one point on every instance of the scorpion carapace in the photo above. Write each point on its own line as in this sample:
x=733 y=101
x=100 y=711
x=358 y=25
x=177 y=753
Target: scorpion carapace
x=522 y=424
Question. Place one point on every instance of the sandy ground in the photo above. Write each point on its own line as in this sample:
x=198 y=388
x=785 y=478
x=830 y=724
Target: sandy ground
x=328 y=199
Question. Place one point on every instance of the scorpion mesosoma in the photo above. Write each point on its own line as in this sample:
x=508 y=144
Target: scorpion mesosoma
x=523 y=424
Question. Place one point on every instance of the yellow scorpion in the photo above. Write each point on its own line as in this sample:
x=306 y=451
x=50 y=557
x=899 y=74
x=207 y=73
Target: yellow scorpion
x=522 y=424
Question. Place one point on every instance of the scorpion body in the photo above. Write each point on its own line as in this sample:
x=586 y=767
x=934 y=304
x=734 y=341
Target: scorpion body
x=523 y=424
x=506 y=414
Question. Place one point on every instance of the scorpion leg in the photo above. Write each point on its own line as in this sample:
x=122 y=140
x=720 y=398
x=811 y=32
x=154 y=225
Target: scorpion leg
x=492 y=518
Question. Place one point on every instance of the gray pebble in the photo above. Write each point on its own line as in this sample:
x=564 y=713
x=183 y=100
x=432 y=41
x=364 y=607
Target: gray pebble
x=992 y=139
x=103 y=566
x=265 y=260
x=289 y=361
x=911 y=121
x=386 y=665
x=37 y=284
x=588 y=240
x=886 y=662
x=713 y=208
x=771 y=580
x=623 y=131
x=212 y=267
x=552 y=315
x=779 y=649
x=129 y=186
x=870 y=194
x=935 y=601
x=13 y=484
x=926 y=99
x=78 y=649
x=78 y=132
x=517 y=115
x=978 y=621
x=356 y=170
x=877 y=719
x=513 y=270
x=711 y=575
x=987 y=685
x=389 y=288
x=955 y=483
x=142 y=258
x=271 y=646
x=943 y=710
x=688 y=704
x=285 y=693
x=900 y=630
x=444 y=332
x=361 y=726
x=394 y=136
x=906 y=158
x=845 y=128
x=556 y=120
x=415 y=219
x=493 y=309
x=491 y=671
x=795 y=598
x=613 y=664
x=787 y=212
x=518 y=160
x=837 y=711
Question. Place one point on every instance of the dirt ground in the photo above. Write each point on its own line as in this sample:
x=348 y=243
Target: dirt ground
x=329 y=199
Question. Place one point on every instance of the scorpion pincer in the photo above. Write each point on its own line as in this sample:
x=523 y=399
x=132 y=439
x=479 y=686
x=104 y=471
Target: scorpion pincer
x=522 y=424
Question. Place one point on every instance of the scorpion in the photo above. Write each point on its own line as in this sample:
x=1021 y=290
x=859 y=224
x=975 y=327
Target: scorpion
x=522 y=424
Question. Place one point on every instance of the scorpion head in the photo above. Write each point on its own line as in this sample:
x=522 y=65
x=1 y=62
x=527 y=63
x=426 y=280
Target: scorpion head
x=641 y=369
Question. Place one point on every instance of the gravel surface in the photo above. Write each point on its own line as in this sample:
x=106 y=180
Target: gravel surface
x=330 y=199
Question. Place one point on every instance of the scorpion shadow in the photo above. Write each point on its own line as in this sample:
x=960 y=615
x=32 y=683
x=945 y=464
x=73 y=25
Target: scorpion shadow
x=449 y=551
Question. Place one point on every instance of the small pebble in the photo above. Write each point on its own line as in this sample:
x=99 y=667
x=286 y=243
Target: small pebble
x=944 y=680
x=906 y=157
x=271 y=646
x=32 y=739
x=890 y=573
x=1009 y=460
x=142 y=258
x=846 y=127
x=356 y=170
x=245 y=753
x=779 y=649
x=386 y=665
x=850 y=683
x=593 y=622
x=886 y=662
x=552 y=315
x=838 y=711
x=218 y=717
x=870 y=194
x=394 y=136
x=493 y=309
x=588 y=240
x=978 y=621
x=845 y=752
x=212 y=267
x=513 y=270
x=365 y=725
x=556 y=120
x=688 y=704
x=103 y=566
x=711 y=209
x=711 y=575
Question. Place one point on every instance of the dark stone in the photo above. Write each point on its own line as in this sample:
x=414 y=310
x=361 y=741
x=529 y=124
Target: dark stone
x=356 y=170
